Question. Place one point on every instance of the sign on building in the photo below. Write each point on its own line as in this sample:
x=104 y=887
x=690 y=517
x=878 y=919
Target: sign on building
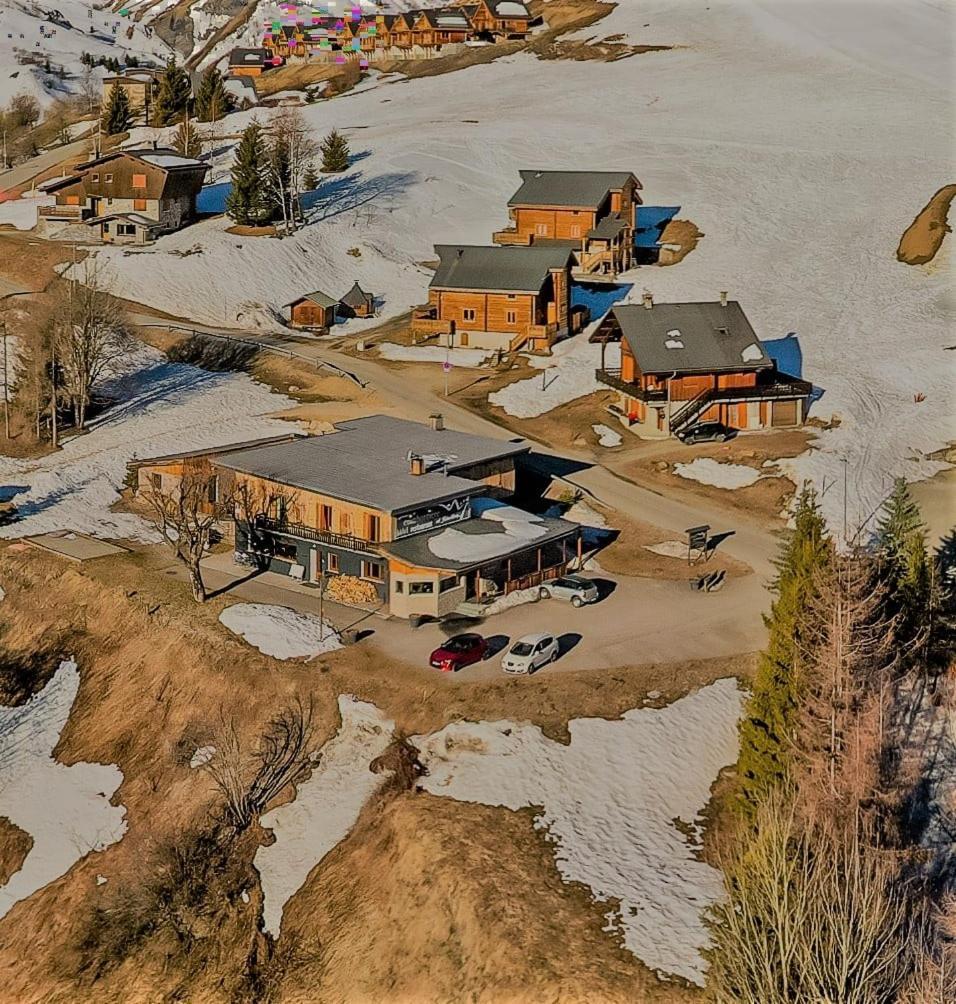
x=435 y=515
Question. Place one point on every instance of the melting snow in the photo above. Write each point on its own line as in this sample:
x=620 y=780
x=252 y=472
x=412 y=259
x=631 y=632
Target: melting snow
x=432 y=354
x=607 y=436
x=609 y=801
x=66 y=809
x=279 y=631
x=519 y=528
x=712 y=472
x=326 y=806
x=752 y=353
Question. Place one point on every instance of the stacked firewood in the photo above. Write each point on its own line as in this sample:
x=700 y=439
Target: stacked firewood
x=350 y=590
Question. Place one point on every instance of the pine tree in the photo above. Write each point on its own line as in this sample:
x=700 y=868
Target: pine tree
x=311 y=178
x=172 y=101
x=767 y=730
x=247 y=203
x=335 y=153
x=117 y=116
x=899 y=521
x=213 y=101
x=188 y=142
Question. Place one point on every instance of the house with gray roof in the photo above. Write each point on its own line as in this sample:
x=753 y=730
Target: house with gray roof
x=415 y=514
x=499 y=298
x=592 y=212
x=686 y=363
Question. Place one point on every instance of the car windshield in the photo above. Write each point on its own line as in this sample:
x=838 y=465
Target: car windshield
x=522 y=648
x=460 y=643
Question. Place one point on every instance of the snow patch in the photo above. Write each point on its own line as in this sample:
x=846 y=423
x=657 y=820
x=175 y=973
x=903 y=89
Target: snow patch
x=609 y=801
x=21 y=214
x=607 y=436
x=279 y=631
x=519 y=528
x=66 y=809
x=712 y=472
x=202 y=756
x=668 y=548
x=432 y=354
x=752 y=353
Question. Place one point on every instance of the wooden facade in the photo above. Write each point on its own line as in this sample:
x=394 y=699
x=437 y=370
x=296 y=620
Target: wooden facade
x=309 y=315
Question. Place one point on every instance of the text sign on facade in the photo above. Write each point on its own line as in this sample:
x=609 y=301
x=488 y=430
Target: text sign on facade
x=439 y=514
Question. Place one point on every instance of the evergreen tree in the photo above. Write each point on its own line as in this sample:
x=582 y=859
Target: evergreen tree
x=117 y=116
x=311 y=178
x=213 y=101
x=172 y=101
x=188 y=142
x=335 y=153
x=900 y=519
x=247 y=203
x=767 y=730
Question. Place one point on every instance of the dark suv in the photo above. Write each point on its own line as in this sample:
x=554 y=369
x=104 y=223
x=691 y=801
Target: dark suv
x=707 y=432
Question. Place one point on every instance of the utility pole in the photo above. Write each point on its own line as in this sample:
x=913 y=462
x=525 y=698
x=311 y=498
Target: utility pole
x=6 y=382
x=54 y=429
x=845 y=463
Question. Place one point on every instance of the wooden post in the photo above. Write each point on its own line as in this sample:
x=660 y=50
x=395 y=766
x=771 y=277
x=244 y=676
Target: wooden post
x=580 y=547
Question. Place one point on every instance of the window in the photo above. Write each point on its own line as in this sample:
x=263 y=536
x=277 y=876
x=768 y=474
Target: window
x=109 y=200
x=212 y=490
x=109 y=179
x=95 y=178
x=512 y=296
x=541 y=229
x=373 y=528
x=72 y=200
x=139 y=180
x=374 y=570
x=447 y=584
x=286 y=549
x=512 y=316
x=139 y=204
x=420 y=588
x=332 y=563
x=325 y=517
x=468 y=314
x=125 y=229
x=106 y=228
x=575 y=230
x=399 y=586
x=156 y=480
x=345 y=523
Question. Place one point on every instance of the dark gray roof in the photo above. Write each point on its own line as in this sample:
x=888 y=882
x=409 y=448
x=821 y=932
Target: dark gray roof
x=356 y=297
x=214 y=451
x=415 y=549
x=248 y=57
x=319 y=298
x=366 y=461
x=690 y=337
x=608 y=228
x=568 y=188
x=508 y=269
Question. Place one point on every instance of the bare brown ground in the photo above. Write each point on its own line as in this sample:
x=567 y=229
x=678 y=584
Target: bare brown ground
x=30 y=261
x=924 y=236
x=15 y=844
x=243 y=231
x=685 y=235
x=426 y=898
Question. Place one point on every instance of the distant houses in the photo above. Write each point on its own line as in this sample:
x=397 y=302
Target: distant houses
x=318 y=311
x=129 y=196
x=686 y=363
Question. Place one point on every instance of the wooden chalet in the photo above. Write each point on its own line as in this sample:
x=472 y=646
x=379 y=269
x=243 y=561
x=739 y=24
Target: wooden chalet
x=357 y=303
x=313 y=311
x=685 y=363
x=592 y=211
x=130 y=196
x=498 y=298
x=398 y=509
x=505 y=19
x=251 y=62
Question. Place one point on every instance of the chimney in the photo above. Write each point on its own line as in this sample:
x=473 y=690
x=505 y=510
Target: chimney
x=647 y=299
x=416 y=465
x=436 y=421
x=723 y=297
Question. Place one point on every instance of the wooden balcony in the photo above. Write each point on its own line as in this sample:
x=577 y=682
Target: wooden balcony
x=73 y=214
x=612 y=378
x=511 y=237
x=283 y=528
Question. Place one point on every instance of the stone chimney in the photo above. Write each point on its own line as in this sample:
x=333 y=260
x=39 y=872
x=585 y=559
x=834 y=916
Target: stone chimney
x=647 y=299
x=723 y=297
x=437 y=422
x=416 y=465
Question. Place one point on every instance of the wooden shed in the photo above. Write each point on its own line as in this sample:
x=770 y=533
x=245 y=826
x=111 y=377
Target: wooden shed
x=312 y=311
x=357 y=303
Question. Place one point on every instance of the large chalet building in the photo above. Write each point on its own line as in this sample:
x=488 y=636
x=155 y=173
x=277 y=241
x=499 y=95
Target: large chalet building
x=141 y=85
x=498 y=298
x=129 y=196
x=416 y=517
x=686 y=363
x=592 y=212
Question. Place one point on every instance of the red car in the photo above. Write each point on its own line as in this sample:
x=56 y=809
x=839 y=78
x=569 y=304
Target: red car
x=460 y=650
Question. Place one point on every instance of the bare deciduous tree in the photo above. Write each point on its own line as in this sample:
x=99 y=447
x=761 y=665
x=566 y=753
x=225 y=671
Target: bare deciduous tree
x=283 y=756
x=187 y=513
x=292 y=137
x=250 y=502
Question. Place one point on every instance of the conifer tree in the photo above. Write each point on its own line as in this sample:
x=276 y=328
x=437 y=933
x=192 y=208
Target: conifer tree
x=117 y=116
x=188 y=142
x=311 y=178
x=172 y=101
x=900 y=519
x=247 y=203
x=335 y=153
x=767 y=729
x=213 y=101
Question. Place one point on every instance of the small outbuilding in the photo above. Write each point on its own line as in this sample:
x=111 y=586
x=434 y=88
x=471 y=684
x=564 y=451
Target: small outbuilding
x=314 y=311
x=357 y=303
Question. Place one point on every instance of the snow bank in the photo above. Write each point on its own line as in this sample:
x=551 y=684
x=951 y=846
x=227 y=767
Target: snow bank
x=607 y=436
x=66 y=810
x=609 y=801
x=21 y=213
x=712 y=472
x=162 y=407
x=432 y=354
x=279 y=631
x=326 y=806
x=515 y=599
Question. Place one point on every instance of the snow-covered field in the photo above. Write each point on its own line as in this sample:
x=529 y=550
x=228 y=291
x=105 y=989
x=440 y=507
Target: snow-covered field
x=66 y=810
x=720 y=475
x=609 y=801
x=800 y=138
x=279 y=631
x=326 y=806
x=162 y=407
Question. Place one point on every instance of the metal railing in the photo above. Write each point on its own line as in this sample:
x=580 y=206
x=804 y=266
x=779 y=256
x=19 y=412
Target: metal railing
x=612 y=378
x=346 y=541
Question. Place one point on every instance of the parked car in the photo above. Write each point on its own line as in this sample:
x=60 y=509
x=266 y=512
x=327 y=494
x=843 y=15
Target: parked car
x=576 y=589
x=706 y=432
x=530 y=653
x=460 y=650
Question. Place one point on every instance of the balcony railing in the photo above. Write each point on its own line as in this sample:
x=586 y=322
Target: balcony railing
x=612 y=378
x=348 y=542
x=62 y=212
x=781 y=385
x=511 y=236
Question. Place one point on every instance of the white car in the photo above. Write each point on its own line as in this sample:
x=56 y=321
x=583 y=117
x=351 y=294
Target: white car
x=530 y=653
x=575 y=588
